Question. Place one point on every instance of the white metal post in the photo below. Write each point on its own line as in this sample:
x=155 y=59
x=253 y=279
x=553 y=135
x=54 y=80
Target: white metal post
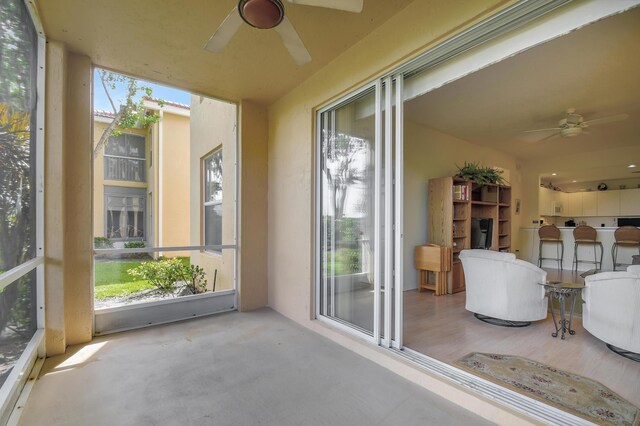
x=388 y=209
x=399 y=212
x=377 y=191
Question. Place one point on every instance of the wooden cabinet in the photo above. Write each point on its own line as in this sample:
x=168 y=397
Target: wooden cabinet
x=630 y=202
x=450 y=218
x=574 y=204
x=589 y=204
x=608 y=203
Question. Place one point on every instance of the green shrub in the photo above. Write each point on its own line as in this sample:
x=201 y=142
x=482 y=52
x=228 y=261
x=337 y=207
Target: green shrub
x=134 y=244
x=102 y=243
x=164 y=273
x=194 y=278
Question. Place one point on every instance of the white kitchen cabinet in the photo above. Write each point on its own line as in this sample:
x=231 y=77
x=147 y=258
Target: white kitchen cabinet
x=630 y=202
x=608 y=203
x=545 y=202
x=550 y=202
x=589 y=204
x=574 y=204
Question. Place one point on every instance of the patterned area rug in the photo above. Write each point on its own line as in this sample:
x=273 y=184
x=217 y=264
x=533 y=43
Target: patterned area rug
x=576 y=394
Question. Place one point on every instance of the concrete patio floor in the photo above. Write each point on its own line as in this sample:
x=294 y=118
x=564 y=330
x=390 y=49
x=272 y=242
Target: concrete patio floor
x=230 y=369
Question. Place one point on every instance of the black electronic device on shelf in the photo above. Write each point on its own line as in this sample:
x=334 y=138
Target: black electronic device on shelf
x=481 y=233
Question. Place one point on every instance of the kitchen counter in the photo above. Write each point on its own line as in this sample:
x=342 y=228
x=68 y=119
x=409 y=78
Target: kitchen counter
x=597 y=228
x=529 y=243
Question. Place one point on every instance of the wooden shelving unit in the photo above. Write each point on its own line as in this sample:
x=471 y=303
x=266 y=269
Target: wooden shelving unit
x=450 y=218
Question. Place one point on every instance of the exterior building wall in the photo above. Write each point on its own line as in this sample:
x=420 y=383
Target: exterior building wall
x=175 y=182
x=213 y=126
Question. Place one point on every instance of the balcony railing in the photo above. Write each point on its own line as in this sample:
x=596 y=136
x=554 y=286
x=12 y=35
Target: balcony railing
x=124 y=168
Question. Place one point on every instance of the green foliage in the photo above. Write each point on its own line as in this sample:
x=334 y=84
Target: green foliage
x=162 y=274
x=165 y=273
x=102 y=243
x=134 y=244
x=347 y=261
x=132 y=112
x=481 y=174
x=194 y=279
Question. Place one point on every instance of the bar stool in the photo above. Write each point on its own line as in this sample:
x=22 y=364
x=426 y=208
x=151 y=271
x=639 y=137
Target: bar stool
x=550 y=234
x=625 y=236
x=586 y=235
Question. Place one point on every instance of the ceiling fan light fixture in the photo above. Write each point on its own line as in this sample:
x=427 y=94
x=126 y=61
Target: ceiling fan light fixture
x=570 y=132
x=262 y=14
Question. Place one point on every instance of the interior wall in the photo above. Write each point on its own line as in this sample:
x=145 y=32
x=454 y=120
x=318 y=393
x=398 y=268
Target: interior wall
x=431 y=154
x=291 y=137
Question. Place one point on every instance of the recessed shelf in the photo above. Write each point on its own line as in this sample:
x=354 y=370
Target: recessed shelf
x=484 y=203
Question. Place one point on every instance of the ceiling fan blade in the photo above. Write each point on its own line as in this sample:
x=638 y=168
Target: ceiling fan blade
x=605 y=120
x=225 y=32
x=541 y=130
x=293 y=42
x=346 y=5
x=553 y=135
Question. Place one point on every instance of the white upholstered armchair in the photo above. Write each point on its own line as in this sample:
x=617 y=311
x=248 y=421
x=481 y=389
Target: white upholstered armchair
x=612 y=310
x=503 y=290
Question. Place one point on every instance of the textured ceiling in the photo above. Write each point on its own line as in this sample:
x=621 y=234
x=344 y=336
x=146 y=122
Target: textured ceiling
x=162 y=41
x=595 y=69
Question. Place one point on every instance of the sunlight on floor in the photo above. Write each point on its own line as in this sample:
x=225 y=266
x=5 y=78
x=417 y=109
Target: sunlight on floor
x=83 y=356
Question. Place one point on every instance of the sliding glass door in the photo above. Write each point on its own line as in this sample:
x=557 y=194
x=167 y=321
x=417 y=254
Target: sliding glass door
x=356 y=231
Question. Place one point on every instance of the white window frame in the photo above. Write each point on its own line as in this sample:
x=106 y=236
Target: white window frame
x=205 y=203
x=31 y=360
x=126 y=192
x=143 y=160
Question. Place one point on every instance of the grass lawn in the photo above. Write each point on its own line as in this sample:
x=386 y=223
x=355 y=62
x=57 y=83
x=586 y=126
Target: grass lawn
x=112 y=279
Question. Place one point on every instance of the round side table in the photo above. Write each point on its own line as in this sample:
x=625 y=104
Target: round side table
x=560 y=291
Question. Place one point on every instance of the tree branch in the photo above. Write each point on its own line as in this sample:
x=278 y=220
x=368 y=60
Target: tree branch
x=102 y=74
x=108 y=131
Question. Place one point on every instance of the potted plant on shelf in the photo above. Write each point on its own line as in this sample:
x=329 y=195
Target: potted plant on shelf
x=480 y=174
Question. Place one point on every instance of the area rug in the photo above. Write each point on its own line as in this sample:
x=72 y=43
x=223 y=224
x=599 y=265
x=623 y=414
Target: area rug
x=570 y=392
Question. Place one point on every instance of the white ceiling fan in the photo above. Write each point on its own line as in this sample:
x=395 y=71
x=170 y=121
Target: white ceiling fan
x=266 y=14
x=573 y=124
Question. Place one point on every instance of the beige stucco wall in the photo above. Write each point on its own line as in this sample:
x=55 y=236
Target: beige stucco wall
x=252 y=288
x=290 y=251
x=55 y=207
x=213 y=126
x=68 y=264
x=175 y=182
x=432 y=154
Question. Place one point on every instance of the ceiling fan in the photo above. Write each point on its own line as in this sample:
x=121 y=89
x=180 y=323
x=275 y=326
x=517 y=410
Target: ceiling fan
x=573 y=124
x=266 y=14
